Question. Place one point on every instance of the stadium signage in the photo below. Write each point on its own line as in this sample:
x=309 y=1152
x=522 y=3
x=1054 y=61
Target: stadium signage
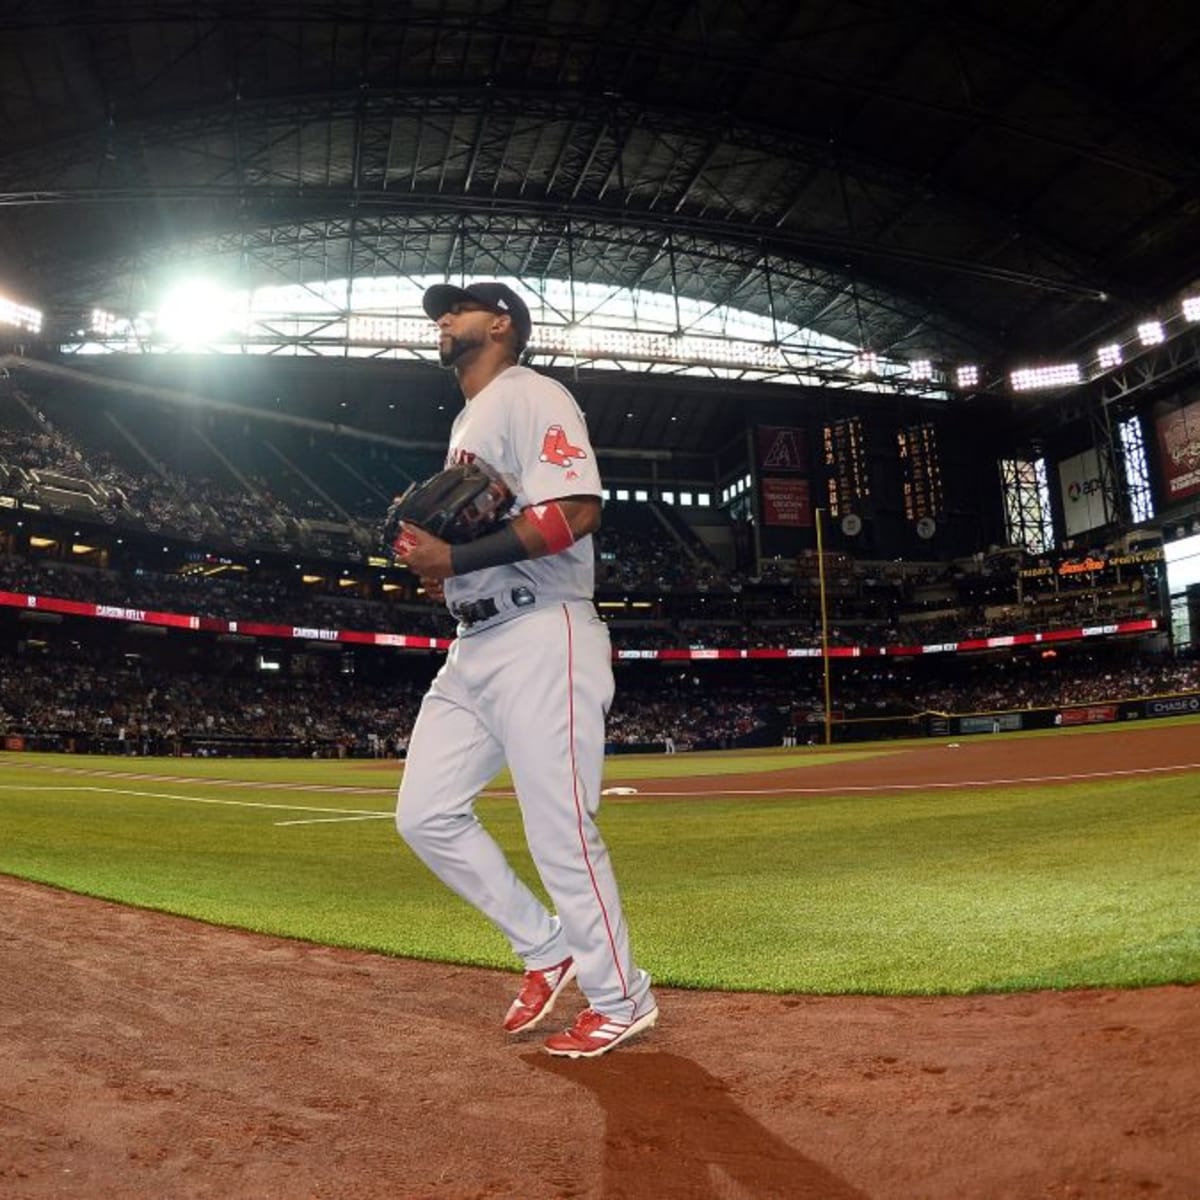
x=1172 y=706
x=1179 y=450
x=115 y=613
x=1138 y=556
x=1091 y=714
x=999 y=723
x=1093 y=562
x=79 y=608
x=1082 y=566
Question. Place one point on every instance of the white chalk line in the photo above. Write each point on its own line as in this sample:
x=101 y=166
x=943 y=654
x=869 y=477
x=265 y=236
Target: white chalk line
x=210 y=781
x=341 y=814
x=1000 y=781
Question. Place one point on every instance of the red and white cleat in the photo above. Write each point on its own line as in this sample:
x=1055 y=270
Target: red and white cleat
x=594 y=1034
x=538 y=992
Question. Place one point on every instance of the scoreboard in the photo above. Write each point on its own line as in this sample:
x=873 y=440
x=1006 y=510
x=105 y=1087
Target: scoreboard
x=921 y=471
x=844 y=456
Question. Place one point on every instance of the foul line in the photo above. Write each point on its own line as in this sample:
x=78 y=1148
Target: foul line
x=210 y=781
x=341 y=814
x=921 y=787
x=333 y=816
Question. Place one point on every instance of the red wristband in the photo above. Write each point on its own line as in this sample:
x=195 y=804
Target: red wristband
x=551 y=522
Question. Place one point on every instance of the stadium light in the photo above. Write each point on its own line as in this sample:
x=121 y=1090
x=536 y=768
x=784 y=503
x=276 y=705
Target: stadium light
x=1031 y=379
x=920 y=368
x=1151 y=333
x=866 y=362
x=20 y=315
x=1109 y=356
x=103 y=322
x=197 y=312
x=1191 y=308
x=967 y=376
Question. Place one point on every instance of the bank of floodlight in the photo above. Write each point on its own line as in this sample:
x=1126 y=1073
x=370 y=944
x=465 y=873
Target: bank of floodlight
x=967 y=376
x=1032 y=379
x=1110 y=356
x=1191 y=308
x=865 y=362
x=391 y=331
x=198 y=312
x=920 y=369
x=1151 y=333
x=21 y=315
x=103 y=322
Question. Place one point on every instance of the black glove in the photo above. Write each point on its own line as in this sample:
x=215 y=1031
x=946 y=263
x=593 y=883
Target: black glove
x=458 y=505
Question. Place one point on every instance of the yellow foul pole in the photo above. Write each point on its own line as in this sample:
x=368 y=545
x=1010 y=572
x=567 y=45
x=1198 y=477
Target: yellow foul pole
x=824 y=624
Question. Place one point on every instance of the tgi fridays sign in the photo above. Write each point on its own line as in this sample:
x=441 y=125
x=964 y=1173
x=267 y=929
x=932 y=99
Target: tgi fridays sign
x=1179 y=450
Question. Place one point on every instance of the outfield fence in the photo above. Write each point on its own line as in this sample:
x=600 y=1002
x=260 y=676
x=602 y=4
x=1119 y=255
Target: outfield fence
x=1010 y=720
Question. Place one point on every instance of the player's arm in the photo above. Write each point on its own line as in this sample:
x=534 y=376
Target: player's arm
x=536 y=531
x=551 y=527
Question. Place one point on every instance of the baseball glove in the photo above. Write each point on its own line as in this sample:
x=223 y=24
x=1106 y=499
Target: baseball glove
x=458 y=505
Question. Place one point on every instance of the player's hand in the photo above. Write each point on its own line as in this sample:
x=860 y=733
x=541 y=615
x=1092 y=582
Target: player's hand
x=422 y=553
x=433 y=589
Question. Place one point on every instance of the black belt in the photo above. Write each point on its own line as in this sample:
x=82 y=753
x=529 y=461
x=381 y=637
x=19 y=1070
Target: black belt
x=475 y=611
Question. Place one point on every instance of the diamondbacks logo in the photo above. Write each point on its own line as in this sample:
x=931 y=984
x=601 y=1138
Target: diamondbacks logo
x=784 y=452
x=558 y=450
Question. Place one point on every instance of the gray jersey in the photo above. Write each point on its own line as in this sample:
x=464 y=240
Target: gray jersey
x=529 y=430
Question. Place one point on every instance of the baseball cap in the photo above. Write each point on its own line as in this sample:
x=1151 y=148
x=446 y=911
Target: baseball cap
x=499 y=297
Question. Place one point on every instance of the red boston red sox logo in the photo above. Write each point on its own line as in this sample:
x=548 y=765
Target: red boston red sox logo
x=558 y=450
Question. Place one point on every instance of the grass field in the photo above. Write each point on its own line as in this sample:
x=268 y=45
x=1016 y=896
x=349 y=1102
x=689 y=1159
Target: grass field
x=954 y=891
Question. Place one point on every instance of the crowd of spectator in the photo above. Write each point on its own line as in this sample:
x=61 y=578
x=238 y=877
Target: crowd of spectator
x=633 y=560
x=752 y=618
x=245 y=510
x=93 y=701
x=695 y=601
x=95 y=697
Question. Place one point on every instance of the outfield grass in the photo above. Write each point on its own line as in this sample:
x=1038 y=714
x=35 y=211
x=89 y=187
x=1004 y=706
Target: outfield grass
x=983 y=889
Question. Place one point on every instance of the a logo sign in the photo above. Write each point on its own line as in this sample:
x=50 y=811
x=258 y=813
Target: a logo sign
x=1085 y=503
x=781 y=450
x=558 y=450
x=1172 y=706
x=1179 y=450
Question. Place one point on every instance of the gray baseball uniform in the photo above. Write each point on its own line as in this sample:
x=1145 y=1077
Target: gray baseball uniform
x=527 y=682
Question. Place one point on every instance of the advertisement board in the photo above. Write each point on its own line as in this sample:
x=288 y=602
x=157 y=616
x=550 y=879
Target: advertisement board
x=1179 y=451
x=1085 y=505
x=1088 y=714
x=1173 y=706
x=781 y=450
x=786 y=502
x=999 y=723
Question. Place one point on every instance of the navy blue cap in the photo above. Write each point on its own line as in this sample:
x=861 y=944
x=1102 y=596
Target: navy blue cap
x=498 y=297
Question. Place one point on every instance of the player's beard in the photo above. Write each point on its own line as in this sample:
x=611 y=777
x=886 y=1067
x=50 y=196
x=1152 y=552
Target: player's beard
x=452 y=348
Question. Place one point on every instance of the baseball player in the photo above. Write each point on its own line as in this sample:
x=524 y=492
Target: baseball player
x=527 y=682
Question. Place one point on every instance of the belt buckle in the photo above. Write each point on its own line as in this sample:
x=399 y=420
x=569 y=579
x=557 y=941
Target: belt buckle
x=475 y=611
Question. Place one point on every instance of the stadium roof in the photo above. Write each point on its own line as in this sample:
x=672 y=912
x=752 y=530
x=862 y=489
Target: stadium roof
x=999 y=179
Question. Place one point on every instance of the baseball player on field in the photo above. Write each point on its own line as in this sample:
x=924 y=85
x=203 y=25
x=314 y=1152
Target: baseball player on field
x=527 y=681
